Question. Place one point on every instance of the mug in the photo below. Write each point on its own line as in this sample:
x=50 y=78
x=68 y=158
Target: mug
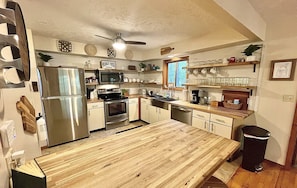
x=195 y=71
x=213 y=70
x=203 y=71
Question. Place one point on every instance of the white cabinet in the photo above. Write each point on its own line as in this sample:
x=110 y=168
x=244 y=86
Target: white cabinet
x=133 y=109
x=219 y=125
x=200 y=120
x=158 y=114
x=144 y=109
x=96 y=116
x=164 y=114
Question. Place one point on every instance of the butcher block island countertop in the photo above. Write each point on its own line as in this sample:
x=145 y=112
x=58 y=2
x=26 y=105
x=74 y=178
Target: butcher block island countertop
x=163 y=154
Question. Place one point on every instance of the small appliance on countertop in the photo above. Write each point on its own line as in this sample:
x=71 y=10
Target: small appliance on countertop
x=199 y=97
x=195 y=97
x=203 y=99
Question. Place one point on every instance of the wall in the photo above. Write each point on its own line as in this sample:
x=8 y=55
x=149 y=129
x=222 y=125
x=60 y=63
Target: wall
x=273 y=113
x=8 y=98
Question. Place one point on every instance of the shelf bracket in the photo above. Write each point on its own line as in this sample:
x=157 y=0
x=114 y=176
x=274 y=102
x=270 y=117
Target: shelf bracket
x=251 y=92
x=254 y=70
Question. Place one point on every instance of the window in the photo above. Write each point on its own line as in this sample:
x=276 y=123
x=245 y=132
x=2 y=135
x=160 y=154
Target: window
x=174 y=72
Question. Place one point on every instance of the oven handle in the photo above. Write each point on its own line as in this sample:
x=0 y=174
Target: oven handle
x=115 y=101
x=117 y=121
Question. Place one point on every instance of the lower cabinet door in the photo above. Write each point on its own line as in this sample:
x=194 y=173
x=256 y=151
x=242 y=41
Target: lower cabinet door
x=144 y=109
x=200 y=123
x=153 y=114
x=163 y=114
x=133 y=112
x=221 y=130
x=95 y=118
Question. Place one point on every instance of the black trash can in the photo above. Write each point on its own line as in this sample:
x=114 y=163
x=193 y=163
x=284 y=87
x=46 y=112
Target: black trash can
x=254 y=146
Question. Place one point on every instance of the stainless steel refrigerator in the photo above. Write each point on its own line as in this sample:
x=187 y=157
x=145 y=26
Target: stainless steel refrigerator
x=64 y=103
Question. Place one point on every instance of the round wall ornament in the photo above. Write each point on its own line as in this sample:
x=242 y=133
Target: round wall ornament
x=64 y=46
x=90 y=49
x=129 y=54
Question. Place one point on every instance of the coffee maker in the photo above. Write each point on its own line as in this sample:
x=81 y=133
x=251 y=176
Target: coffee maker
x=202 y=97
x=195 y=97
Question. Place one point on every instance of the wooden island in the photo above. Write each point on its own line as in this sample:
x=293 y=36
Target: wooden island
x=163 y=154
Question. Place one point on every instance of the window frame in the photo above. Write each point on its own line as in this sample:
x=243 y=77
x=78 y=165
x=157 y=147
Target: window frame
x=165 y=70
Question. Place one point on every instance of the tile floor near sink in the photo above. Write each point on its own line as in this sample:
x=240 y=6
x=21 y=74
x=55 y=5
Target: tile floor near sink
x=224 y=173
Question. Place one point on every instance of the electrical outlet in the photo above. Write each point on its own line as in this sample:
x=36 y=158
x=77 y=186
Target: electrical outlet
x=288 y=98
x=9 y=161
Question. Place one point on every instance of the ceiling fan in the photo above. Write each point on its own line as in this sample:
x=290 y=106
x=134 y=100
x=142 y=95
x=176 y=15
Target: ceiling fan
x=119 y=43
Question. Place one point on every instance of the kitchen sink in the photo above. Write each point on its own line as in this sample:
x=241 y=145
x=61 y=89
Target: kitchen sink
x=160 y=103
x=161 y=98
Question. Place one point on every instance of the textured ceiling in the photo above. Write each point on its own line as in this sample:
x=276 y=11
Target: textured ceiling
x=156 y=22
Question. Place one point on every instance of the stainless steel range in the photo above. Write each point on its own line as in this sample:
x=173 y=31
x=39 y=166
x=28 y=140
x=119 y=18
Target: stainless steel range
x=116 y=107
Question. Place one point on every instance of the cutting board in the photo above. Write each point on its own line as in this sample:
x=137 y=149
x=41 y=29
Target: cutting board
x=28 y=114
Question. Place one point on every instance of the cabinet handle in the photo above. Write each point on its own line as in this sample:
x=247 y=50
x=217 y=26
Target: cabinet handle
x=212 y=127
x=204 y=124
x=219 y=120
x=89 y=112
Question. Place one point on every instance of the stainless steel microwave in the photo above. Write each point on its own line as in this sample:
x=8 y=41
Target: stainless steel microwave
x=110 y=77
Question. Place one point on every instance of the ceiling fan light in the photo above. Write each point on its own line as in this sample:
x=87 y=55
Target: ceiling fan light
x=119 y=44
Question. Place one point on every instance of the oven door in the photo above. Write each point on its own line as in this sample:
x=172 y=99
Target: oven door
x=116 y=111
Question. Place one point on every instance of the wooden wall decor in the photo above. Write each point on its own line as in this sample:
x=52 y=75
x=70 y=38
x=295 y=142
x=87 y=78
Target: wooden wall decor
x=166 y=50
x=28 y=115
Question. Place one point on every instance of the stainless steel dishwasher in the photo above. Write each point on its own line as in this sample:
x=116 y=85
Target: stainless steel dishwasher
x=181 y=114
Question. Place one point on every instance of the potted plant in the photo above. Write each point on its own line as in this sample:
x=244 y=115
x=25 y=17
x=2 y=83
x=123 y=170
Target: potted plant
x=250 y=50
x=45 y=58
x=142 y=66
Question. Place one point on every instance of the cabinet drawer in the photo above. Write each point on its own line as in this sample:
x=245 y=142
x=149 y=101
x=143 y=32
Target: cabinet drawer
x=146 y=101
x=133 y=100
x=201 y=115
x=95 y=105
x=221 y=119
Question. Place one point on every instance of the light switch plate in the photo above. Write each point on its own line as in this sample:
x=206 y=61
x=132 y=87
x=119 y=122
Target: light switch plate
x=288 y=98
x=8 y=133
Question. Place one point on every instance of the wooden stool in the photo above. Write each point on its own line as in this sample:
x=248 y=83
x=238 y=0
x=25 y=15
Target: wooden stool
x=214 y=182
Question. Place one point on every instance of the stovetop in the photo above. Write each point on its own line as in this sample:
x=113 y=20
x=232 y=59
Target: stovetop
x=110 y=94
x=114 y=98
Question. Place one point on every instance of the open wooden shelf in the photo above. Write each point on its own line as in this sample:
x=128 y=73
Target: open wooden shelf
x=223 y=65
x=220 y=87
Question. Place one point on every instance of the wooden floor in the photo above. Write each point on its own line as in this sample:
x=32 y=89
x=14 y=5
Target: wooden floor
x=272 y=176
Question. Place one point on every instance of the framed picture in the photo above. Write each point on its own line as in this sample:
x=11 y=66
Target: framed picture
x=282 y=69
x=108 y=64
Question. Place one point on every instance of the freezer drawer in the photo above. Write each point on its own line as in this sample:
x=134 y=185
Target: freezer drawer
x=66 y=119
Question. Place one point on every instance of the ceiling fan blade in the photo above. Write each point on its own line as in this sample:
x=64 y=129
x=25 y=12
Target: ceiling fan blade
x=135 y=42
x=103 y=37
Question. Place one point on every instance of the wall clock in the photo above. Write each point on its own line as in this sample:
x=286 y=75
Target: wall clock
x=111 y=52
x=64 y=46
